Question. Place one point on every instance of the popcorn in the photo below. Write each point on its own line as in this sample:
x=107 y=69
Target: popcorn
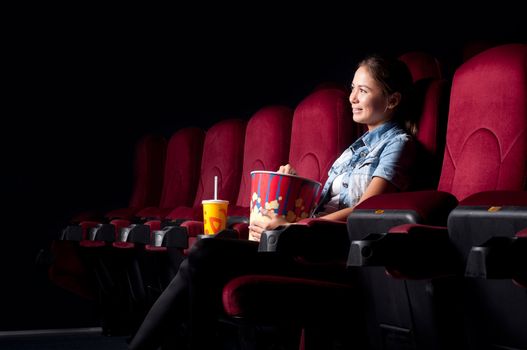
x=291 y=197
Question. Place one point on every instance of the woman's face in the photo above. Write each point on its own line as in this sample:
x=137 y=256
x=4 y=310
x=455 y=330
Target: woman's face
x=369 y=104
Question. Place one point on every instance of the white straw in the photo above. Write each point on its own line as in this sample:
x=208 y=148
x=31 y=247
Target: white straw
x=215 y=187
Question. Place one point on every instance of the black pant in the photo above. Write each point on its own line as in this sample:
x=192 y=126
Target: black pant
x=195 y=293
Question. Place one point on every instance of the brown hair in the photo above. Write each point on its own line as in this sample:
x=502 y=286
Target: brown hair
x=394 y=76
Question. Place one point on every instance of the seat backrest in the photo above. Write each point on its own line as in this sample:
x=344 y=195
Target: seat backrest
x=222 y=157
x=422 y=65
x=267 y=139
x=486 y=136
x=322 y=128
x=482 y=225
x=486 y=144
x=431 y=103
x=149 y=167
x=431 y=99
x=182 y=167
x=431 y=111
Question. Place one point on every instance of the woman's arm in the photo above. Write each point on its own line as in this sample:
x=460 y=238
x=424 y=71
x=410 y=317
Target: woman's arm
x=378 y=185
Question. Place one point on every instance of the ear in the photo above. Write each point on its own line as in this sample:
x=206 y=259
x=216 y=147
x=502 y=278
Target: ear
x=394 y=100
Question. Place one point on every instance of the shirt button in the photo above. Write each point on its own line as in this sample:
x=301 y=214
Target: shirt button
x=363 y=154
x=345 y=185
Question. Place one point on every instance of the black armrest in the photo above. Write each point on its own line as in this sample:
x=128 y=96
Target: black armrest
x=319 y=241
x=135 y=233
x=377 y=249
x=269 y=239
x=71 y=233
x=498 y=258
x=423 y=251
x=379 y=213
x=171 y=237
x=102 y=232
x=520 y=261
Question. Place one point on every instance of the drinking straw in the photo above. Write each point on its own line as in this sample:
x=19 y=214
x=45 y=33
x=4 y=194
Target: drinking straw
x=215 y=187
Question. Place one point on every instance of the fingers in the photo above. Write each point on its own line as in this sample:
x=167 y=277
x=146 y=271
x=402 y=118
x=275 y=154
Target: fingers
x=258 y=226
x=287 y=169
x=269 y=213
x=255 y=232
x=254 y=236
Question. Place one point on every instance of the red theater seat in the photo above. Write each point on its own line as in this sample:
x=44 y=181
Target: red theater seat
x=182 y=164
x=149 y=165
x=412 y=276
x=486 y=228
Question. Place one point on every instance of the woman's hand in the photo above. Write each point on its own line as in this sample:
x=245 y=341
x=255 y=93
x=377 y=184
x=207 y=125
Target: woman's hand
x=257 y=227
x=287 y=169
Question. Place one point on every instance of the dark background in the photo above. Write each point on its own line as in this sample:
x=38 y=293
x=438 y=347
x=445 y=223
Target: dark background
x=83 y=84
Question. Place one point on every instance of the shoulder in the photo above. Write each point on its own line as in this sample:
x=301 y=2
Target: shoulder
x=398 y=144
x=399 y=137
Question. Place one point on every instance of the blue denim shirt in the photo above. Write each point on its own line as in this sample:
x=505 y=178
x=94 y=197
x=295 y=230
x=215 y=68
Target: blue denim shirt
x=387 y=151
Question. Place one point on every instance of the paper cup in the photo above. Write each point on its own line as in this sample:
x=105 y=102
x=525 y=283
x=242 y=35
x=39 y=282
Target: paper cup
x=290 y=196
x=214 y=215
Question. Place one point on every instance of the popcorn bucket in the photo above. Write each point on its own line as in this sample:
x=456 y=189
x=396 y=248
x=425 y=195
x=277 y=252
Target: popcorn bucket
x=290 y=196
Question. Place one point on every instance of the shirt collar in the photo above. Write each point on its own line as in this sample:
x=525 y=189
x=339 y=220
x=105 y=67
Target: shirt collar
x=371 y=138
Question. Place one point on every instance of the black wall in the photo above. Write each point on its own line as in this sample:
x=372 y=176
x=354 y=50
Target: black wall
x=84 y=84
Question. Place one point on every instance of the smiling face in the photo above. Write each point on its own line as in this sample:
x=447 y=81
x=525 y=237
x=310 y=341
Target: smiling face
x=371 y=105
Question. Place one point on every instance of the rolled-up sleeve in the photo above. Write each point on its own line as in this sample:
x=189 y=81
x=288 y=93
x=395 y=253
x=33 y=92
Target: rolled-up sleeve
x=396 y=161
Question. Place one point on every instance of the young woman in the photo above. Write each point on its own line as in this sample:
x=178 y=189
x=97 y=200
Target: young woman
x=378 y=162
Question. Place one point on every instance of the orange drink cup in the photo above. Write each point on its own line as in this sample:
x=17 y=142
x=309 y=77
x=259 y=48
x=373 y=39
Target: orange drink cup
x=214 y=215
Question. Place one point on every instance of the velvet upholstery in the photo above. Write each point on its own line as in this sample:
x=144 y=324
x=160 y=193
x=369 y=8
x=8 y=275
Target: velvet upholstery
x=148 y=176
x=433 y=115
x=430 y=101
x=182 y=165
x=422 y=65
x=322 y=128
x=222 y=157
x=289 y=296
x=487 y=113
x=266 y=147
